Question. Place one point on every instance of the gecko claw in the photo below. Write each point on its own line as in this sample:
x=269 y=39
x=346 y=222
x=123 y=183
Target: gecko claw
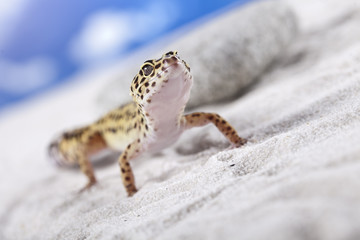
x=238 y=144
x=130 y=194
x=131 y=190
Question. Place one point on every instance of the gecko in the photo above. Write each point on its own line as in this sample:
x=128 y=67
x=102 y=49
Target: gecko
x=154 y=120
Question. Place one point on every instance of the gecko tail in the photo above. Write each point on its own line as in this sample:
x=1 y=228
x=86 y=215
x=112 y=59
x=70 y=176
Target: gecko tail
x=56 y=156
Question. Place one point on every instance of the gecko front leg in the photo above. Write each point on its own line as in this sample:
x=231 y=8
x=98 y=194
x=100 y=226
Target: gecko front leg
x=199 y=119
x=127 y=175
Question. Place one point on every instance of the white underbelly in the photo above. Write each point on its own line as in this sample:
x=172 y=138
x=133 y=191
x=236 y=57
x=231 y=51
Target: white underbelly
x=160 y=141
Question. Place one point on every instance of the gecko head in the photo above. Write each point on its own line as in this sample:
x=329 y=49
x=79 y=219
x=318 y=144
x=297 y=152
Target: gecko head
x=166 y=80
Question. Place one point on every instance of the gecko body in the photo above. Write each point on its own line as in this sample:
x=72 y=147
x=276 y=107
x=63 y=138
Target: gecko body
x=153 y=121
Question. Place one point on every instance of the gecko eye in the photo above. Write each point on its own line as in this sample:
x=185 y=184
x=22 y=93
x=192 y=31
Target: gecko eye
x=169 y=54
x=147 y=69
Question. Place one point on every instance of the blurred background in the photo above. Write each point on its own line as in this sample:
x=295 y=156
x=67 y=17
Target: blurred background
x=43 y=43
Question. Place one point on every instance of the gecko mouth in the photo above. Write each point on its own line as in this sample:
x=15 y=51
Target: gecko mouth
x=173 y=84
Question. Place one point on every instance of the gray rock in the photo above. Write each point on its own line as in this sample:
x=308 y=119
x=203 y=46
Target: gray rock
x=226 y=54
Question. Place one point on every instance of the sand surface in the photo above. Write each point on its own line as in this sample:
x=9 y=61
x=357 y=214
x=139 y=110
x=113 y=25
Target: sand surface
x=297 y=178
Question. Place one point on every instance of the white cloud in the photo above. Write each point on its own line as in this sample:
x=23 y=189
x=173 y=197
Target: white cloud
x=10 y=12
x=104 y=34
x=108 y=32
x=20 y=78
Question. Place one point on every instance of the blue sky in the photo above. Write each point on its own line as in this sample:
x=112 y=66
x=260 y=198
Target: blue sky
x=43 y=42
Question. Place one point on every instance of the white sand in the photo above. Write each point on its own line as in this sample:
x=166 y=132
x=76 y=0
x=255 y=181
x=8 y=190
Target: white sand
x=298 y=178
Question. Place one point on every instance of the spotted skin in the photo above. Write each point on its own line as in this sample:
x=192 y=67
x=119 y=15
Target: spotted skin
x=127 y=175
x=199 y=119
x=153 y=121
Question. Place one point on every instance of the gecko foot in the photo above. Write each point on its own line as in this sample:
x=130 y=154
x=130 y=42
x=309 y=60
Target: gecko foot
x=241 y=142
x=87 y=186
x=131 y=190
x=237 y=144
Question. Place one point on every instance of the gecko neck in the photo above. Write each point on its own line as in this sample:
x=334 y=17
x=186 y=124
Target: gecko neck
x=165 y=110
x=164 y=116
x=167 y=105
x=165 y=127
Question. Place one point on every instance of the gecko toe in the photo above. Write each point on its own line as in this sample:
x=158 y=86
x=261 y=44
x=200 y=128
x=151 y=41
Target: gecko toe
x=87 y=186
